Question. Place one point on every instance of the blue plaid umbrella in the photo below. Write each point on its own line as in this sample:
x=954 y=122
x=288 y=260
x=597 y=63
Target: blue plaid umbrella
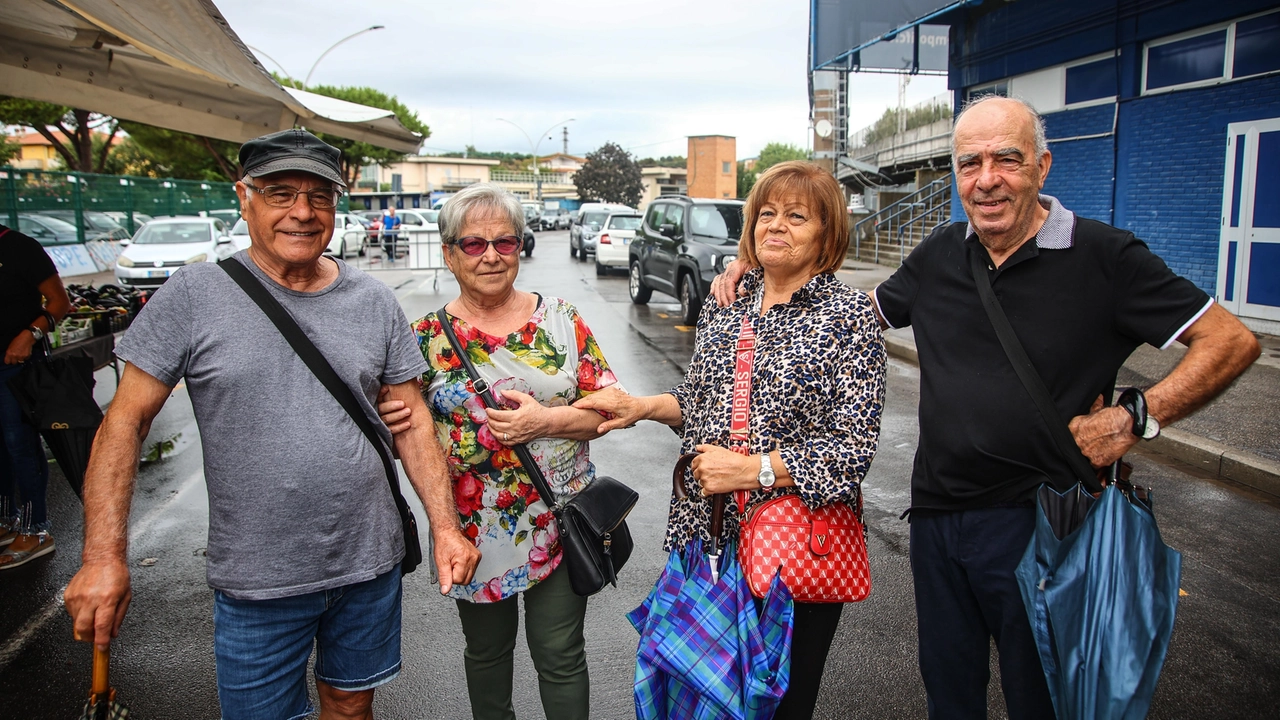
x=1101 y=599
x=705 y=652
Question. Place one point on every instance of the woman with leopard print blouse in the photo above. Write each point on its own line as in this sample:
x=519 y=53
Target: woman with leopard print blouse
x=817 y=386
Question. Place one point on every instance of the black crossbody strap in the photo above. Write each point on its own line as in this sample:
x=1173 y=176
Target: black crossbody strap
x=1035 y=386
x=481 y=388
x=316 y=361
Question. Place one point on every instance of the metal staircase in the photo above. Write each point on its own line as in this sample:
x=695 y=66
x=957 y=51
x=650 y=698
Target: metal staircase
x=887 y=236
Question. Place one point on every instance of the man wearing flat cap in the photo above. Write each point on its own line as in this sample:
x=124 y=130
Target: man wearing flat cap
x=305 y=541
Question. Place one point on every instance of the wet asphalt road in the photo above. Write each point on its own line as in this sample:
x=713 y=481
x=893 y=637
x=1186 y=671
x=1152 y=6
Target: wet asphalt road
x=1224 y=661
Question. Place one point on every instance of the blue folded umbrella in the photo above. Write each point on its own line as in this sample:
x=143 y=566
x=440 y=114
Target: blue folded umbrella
x=1101 y=600
x=705 y=652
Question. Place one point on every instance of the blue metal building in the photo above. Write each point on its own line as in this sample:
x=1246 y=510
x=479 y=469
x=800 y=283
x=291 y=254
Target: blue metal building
x=1163 y=117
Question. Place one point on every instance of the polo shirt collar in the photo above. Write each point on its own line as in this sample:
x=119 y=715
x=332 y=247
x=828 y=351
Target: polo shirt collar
x=1058 y=229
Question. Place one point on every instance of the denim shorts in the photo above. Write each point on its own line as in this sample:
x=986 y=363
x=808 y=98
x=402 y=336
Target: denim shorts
x=262 y=646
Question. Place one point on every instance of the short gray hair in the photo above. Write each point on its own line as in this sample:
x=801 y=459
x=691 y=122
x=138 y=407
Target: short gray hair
x=1037 y=122
x=480 y=196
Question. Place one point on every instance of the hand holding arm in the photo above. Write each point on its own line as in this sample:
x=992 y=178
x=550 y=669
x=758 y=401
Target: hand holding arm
x=626 y=410
x=456 y=557
x=394 y=413
x=97 y=598
x=531 y=420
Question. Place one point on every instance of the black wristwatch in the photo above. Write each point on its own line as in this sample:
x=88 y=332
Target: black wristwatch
x=1145 y=425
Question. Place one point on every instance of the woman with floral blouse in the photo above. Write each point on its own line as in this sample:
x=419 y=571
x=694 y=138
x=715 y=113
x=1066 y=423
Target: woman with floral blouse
x=540 y=357
x=817 y=387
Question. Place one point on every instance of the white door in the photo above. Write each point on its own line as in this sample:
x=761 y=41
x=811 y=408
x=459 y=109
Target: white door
x=1249 y=251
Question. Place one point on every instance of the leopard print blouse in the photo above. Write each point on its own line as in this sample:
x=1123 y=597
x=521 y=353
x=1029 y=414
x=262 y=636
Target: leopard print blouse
x=817 y=395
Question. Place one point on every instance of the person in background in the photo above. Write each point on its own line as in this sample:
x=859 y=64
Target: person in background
x=34 y=300
x=390 y=233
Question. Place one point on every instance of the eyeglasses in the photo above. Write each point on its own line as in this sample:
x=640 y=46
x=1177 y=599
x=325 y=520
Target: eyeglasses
x=476 y=246
x=285 y=196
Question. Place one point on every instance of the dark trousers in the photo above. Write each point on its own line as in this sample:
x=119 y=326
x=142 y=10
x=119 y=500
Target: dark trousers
x=966 y=594
x=811 y=634
x=24 y=473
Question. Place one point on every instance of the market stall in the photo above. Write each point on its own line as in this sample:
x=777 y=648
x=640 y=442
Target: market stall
x=97 y=314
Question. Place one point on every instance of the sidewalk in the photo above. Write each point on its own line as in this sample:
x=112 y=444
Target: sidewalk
x=1236 y=437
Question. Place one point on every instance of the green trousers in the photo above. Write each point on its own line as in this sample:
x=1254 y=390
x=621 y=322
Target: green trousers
x=554 y=617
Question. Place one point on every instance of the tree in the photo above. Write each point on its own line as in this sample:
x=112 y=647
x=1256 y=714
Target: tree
x=771 y=155
x=669 y=161
x=78 y=128
x=150 y=151
x=8 y=150
x=887 y=125
x=356 y=154
x=610 y=175
x=746 y=179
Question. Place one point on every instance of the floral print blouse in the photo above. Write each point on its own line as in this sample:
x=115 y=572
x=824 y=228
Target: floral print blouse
x=553 y=358
x=817 y=395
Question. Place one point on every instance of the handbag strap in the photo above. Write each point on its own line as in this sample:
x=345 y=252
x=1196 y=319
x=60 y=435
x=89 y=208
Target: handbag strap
x=740 y=411
x=1031 y=379
x=481 y=387
x=317 y=363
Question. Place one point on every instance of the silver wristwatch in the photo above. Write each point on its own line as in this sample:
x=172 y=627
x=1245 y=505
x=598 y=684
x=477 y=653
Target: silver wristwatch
x=766 y=478
x=37 y=333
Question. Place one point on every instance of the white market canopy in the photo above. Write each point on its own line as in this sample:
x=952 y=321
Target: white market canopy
x=175 y=64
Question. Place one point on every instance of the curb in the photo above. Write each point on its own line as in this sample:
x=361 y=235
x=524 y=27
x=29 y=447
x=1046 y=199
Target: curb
x=1213 y=457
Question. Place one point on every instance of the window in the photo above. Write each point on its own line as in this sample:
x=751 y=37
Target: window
x=1212 y=55
x=675 y=216
x=1091 y=81
x=1001 y=88
x=1257 y=46
x=654 y=220
x=1190 y=60
x=724 y=167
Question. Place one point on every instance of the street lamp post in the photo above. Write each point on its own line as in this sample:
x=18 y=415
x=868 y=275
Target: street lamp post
x=307 y=81
x=537 y=177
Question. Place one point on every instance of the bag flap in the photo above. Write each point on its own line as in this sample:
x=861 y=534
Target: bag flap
x=603 y=504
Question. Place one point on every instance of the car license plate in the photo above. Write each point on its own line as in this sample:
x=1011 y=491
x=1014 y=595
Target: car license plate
x=157 y=273
x=626 y=241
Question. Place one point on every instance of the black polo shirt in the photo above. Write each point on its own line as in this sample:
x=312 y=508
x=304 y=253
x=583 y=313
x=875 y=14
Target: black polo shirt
x=23 y=266
x=1080 y=303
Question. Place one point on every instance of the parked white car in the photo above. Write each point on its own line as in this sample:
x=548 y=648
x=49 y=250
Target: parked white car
x=613 y=241
x=349 y=236
x=162 y=246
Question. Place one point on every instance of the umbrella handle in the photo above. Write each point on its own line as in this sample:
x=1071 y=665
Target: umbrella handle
x=101 y=663
x=677 y=475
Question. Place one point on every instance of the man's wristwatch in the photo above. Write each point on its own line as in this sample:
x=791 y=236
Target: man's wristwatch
x=37 y=333
x=1145 y=425
x=766 y=478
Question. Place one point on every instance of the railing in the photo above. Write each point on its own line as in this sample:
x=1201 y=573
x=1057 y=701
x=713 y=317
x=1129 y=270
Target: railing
x=459 y=182
x=902 y=225
x=528 y=178
x=859 y=139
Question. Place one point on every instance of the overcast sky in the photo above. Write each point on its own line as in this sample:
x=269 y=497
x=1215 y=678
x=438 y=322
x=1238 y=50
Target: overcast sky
x=643 y=75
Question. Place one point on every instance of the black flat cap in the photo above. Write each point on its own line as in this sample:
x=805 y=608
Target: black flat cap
x=293 y=149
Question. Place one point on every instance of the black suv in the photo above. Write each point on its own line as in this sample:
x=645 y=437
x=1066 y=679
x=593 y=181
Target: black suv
x=681 y=246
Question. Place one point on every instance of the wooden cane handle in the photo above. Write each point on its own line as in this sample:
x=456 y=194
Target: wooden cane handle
x=101 y=663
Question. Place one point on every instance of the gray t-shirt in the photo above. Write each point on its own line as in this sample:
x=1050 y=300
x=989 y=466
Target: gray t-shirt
x=298 y=498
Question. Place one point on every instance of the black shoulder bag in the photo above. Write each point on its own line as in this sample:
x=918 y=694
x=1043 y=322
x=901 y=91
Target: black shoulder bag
x=1039 y=393
x=328 y=377
x=593 y=523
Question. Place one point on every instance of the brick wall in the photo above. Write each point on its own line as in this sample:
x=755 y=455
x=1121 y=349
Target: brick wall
x=1082 y=170
x=1171 y=164
x=707 y=158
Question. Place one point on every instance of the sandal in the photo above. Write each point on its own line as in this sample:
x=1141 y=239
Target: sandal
x=26 y=552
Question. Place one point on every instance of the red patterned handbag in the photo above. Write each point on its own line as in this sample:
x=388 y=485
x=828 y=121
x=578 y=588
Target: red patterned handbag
x=821 y=554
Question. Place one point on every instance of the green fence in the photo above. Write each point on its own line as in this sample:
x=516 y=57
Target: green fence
x=34 y=191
